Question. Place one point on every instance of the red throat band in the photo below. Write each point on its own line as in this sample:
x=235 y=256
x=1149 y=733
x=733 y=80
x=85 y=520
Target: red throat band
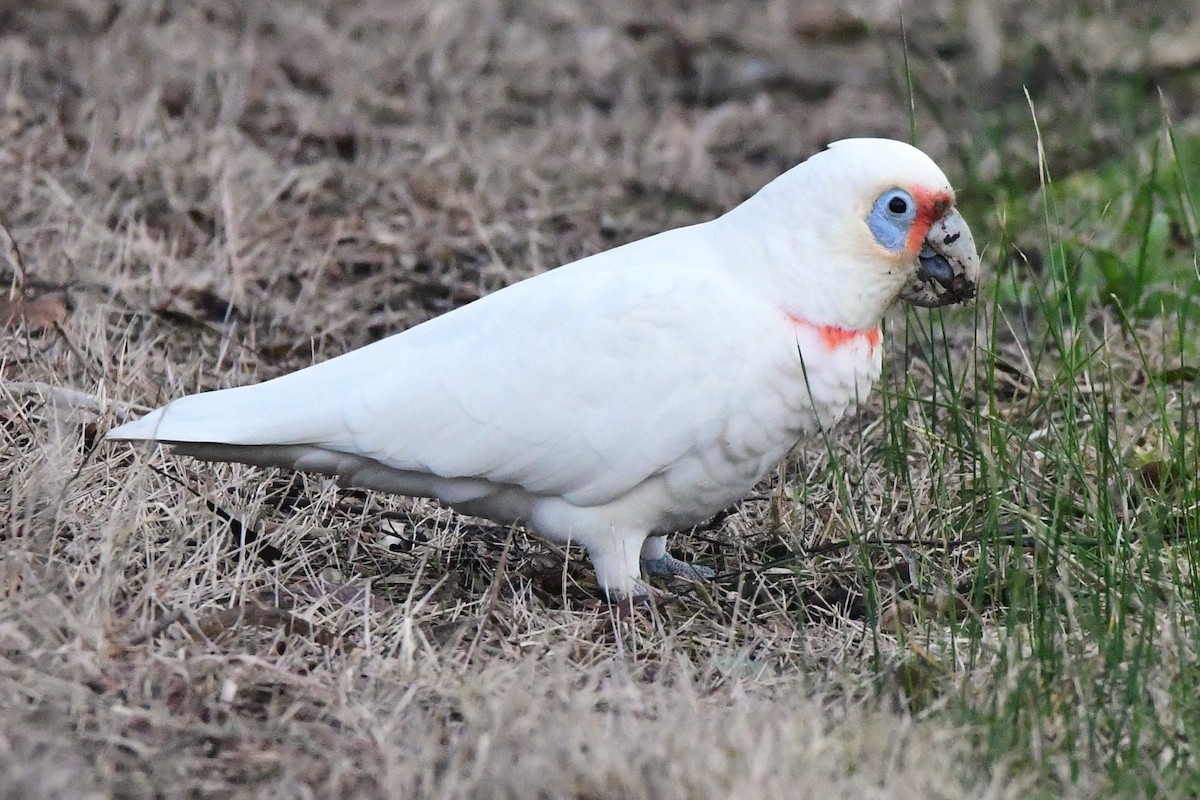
x=834 y=337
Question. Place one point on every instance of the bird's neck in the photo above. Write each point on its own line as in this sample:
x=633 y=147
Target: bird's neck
x=816 y=271
x=835 y=337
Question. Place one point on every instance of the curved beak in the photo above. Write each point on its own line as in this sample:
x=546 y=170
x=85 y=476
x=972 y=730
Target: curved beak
x=948 y=265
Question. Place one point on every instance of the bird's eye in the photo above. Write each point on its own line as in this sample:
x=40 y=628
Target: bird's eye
x=892 y=217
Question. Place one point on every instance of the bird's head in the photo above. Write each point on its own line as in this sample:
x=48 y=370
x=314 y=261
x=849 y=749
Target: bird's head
x=867 y=222
x=914 y=224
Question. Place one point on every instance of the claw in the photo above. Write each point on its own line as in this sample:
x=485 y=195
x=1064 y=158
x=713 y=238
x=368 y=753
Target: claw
x=668 y=566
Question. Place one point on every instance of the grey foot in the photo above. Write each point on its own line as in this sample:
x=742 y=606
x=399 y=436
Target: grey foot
x=668 y=566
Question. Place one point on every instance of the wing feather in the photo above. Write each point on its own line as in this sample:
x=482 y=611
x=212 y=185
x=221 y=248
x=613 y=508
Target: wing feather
x=580 y=383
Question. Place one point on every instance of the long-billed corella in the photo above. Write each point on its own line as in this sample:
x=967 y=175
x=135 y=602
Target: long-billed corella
x=631 y=393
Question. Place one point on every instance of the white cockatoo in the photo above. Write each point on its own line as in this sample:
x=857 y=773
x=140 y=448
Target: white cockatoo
x=634 y=392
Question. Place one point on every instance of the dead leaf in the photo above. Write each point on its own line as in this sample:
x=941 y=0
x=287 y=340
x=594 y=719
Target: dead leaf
x=34 y=313
x=200 y=307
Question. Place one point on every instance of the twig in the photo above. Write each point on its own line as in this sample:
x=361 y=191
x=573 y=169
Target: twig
x=719 y=518
x=492 y=598
x=1015 y=539
x=243 y=535
x=75 y=398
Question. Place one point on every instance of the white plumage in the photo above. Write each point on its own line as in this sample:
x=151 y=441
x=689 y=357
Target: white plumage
x=628 y=394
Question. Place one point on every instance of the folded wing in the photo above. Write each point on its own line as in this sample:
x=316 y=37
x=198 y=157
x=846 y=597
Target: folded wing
x=580 y=383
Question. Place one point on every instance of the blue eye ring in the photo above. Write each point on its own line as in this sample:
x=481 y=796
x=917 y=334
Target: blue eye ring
x=892 y=217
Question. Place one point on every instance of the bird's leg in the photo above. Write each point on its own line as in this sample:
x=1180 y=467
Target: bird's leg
x=657 y=561
x=615 y=558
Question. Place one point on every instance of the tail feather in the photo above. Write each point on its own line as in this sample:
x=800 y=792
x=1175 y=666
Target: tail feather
x=270 y=413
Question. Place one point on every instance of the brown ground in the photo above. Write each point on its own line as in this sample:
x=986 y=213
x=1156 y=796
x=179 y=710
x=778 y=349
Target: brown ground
x=227 y=191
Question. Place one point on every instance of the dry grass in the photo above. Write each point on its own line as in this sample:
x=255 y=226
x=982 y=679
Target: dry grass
x=229 y=191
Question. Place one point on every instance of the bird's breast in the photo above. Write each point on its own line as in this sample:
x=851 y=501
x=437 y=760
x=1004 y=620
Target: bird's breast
x=802 y=382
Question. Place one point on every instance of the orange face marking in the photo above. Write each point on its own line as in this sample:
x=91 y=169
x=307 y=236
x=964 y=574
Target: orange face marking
x=834 y=337
x=931 y=206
